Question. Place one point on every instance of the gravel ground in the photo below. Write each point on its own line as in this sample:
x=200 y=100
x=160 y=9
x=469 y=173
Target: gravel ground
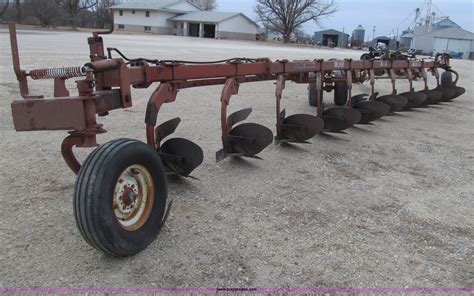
x=385 y=205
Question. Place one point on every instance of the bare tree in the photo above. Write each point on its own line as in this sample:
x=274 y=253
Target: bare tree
x=74 y=7
x=206 y=5
x=299 y=34
x=102 y=12
x=4 y=7
x=285 y=16
x=45 y=10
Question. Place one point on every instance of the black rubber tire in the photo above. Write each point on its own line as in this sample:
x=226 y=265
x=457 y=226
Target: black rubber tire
x=366 y=56
x=447 y=80
x=341 y=90
x=94 y=191
x=312 y=95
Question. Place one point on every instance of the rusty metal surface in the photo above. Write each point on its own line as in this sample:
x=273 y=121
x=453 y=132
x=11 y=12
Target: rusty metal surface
x=107 y=85
x=58 y=114
x=68 y=155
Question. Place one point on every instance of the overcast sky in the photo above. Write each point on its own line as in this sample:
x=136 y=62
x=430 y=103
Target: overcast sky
x=384 y=14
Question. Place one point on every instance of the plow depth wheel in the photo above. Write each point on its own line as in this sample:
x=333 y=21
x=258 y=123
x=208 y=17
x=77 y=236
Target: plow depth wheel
x=447 y=80
x=312 y=95
x=120 y=197
x=449 y=88
x=341 y=90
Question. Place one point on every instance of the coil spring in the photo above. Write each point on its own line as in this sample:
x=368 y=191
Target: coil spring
x=63 y=72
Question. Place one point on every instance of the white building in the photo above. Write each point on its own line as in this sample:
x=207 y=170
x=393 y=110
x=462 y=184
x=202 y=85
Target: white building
x=179 y=17
x=443 y=36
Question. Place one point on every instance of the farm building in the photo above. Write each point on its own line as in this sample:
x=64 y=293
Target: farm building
x=443 y=36
x=405 y=39
x=179 y=17
x=391 y=43
x=331 y=38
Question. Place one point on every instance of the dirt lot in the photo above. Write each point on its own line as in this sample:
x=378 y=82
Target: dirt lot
x=386 y=205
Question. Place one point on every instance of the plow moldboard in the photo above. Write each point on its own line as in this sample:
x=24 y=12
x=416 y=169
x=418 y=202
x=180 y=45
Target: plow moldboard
x=337 y=119
x=371 y=110
x=300 y=128
x=184 y=156
x=448 y=94
x=415 y=100
x=396 y=103
x=434 y=96
x=249 y=139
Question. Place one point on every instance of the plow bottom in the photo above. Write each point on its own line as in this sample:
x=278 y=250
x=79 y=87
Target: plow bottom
x=449 y=87
x=249 y=139
x=395 y=102
x=181 y=156
x=448 y=94
x=459 y=91
x=434 y=96
x=371 y=111
x=300 y=128
x=337 y=119
x=415 y=100
x=244 y=139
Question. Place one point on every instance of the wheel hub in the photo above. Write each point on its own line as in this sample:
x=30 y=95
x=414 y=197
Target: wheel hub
x=133 y=197
x=129 y=199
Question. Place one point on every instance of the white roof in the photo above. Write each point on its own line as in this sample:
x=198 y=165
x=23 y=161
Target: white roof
x=147 y=4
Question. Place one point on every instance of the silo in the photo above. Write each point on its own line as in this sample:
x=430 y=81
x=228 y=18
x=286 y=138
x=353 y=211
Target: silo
x=358 y=36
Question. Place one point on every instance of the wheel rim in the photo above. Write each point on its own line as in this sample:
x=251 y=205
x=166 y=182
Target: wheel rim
x=133 y=197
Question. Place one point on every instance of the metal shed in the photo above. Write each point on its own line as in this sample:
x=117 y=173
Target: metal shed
x=444 y=36
x=331 y=38
x=391 y=43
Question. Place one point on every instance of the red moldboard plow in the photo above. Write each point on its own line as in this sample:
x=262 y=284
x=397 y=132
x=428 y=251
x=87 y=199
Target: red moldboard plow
x=120 y=197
